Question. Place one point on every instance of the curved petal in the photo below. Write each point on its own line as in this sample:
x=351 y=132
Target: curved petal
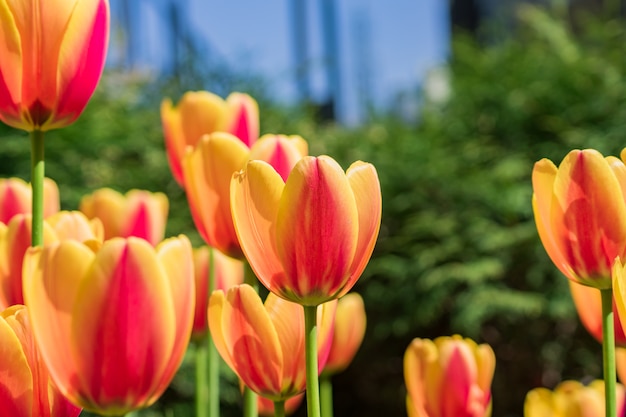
x=75 y=225
x=15 y=195
x=201 y=113
x=317 y=231
x=109 y=206
x=280 y=151
x=16 y=382
x=242 y=117
x=350 y=324
x=255 y=197
x=174 y=139
x=366 y=188
x=146 y=215
x=120 y=362
x=11 y=71
x=52 y=276
x=418 y=355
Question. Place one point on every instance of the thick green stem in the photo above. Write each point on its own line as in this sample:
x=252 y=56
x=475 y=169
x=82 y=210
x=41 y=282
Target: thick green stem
x=608 y=352
x=37 y=174
x=326 y=395
x=310 y=341
x=250 y=406
x=279 y=408
x=202 y=388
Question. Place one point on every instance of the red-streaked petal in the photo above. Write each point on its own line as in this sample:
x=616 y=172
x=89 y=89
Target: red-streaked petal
x=317 y=230
x=124 y=326
x=280 y=151
x=255 y=197
x=11 y=75
x=242 y=117
x=146 y=215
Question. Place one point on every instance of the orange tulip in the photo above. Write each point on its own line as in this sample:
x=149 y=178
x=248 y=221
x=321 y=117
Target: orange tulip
x=448 y=377
x=350 y=322
x=228 y=273
x=263 y=343
x=15 y=239
x=208 y=170
x=580 y=212
x=266 y=406
x=571 y=399
x=308 y=240
x=138 y=213
x=588 y=302
x=15 y=198
x=25 y=388
x=53 y=53
x=112 y=322
x=199 y=113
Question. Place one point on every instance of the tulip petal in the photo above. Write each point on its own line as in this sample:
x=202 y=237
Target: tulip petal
x=416 y=358
x=16 y=381
x=280 y=151
x=11 y=75
x=317 y=230
x=243 y=117
x=255 y=196
x=126 y=286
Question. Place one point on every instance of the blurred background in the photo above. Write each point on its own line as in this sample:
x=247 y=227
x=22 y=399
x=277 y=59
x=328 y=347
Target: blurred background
x=452 y=101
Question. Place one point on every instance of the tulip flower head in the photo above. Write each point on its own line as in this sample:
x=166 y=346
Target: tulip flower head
x=263 y=343
x=580 y=213
x=308 y=239
x=53 y=56
x=571 y=399
x=15 y=198
x=448 y=377
x=112 y=321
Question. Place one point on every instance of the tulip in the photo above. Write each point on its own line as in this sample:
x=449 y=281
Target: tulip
x=208 y=170
x=199 y=113
x=580 y=212
x=570 y=399
x=588 y=304
x=138 y=213
x=308 y=240
x=266 y=407
x=448 y=377
x=350 y=322
x=263 y=343
x=25 y=388
x=15 y=198
x=228 y=272
x=112 y=321
x=53 y=56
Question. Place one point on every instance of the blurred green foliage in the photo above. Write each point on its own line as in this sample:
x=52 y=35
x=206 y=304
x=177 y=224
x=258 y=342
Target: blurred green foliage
x=458 y=250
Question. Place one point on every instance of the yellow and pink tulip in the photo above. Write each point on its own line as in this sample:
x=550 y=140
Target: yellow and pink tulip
x=263 y=343
x=112 y=321
x=53 y=53
x=307 y=239
x=448 y=377
x=15 y=198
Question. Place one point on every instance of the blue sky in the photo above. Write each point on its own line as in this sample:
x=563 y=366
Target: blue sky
x=408 y=37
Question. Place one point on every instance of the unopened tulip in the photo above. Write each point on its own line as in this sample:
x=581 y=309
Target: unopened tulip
x=137 y=213
x=228 y=272
x=308 y=240
x=448 y=377
x=588 y=302
x=350 y=322
x=208 y=170
x=25 y=386
x=263 y=343
x=53 y=54
x=580 y=213
x=199 y=113
x=15 y=198
x=112 y=321
x=571 y=399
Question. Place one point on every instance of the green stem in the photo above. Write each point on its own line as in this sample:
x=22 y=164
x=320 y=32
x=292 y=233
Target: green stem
x=608 y=351
x=37 y=174
x=326 y=395
x=279 y=408
x=310 y=341
x=250 y=406
x=202 y=388
x=213 y=358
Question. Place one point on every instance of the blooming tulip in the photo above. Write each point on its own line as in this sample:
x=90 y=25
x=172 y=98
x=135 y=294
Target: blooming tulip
x=263 y=343
x=138 y=213
x=53 y=54
x=112 y=321
x=571 y=399
x=580 y=214
x=228 y=273
x=350 y=324
x=15 y=198
x=448 y=377
x=308 y=240
x=25 y=386
x=588 y=302
x=208 y=170
x=199 y=113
